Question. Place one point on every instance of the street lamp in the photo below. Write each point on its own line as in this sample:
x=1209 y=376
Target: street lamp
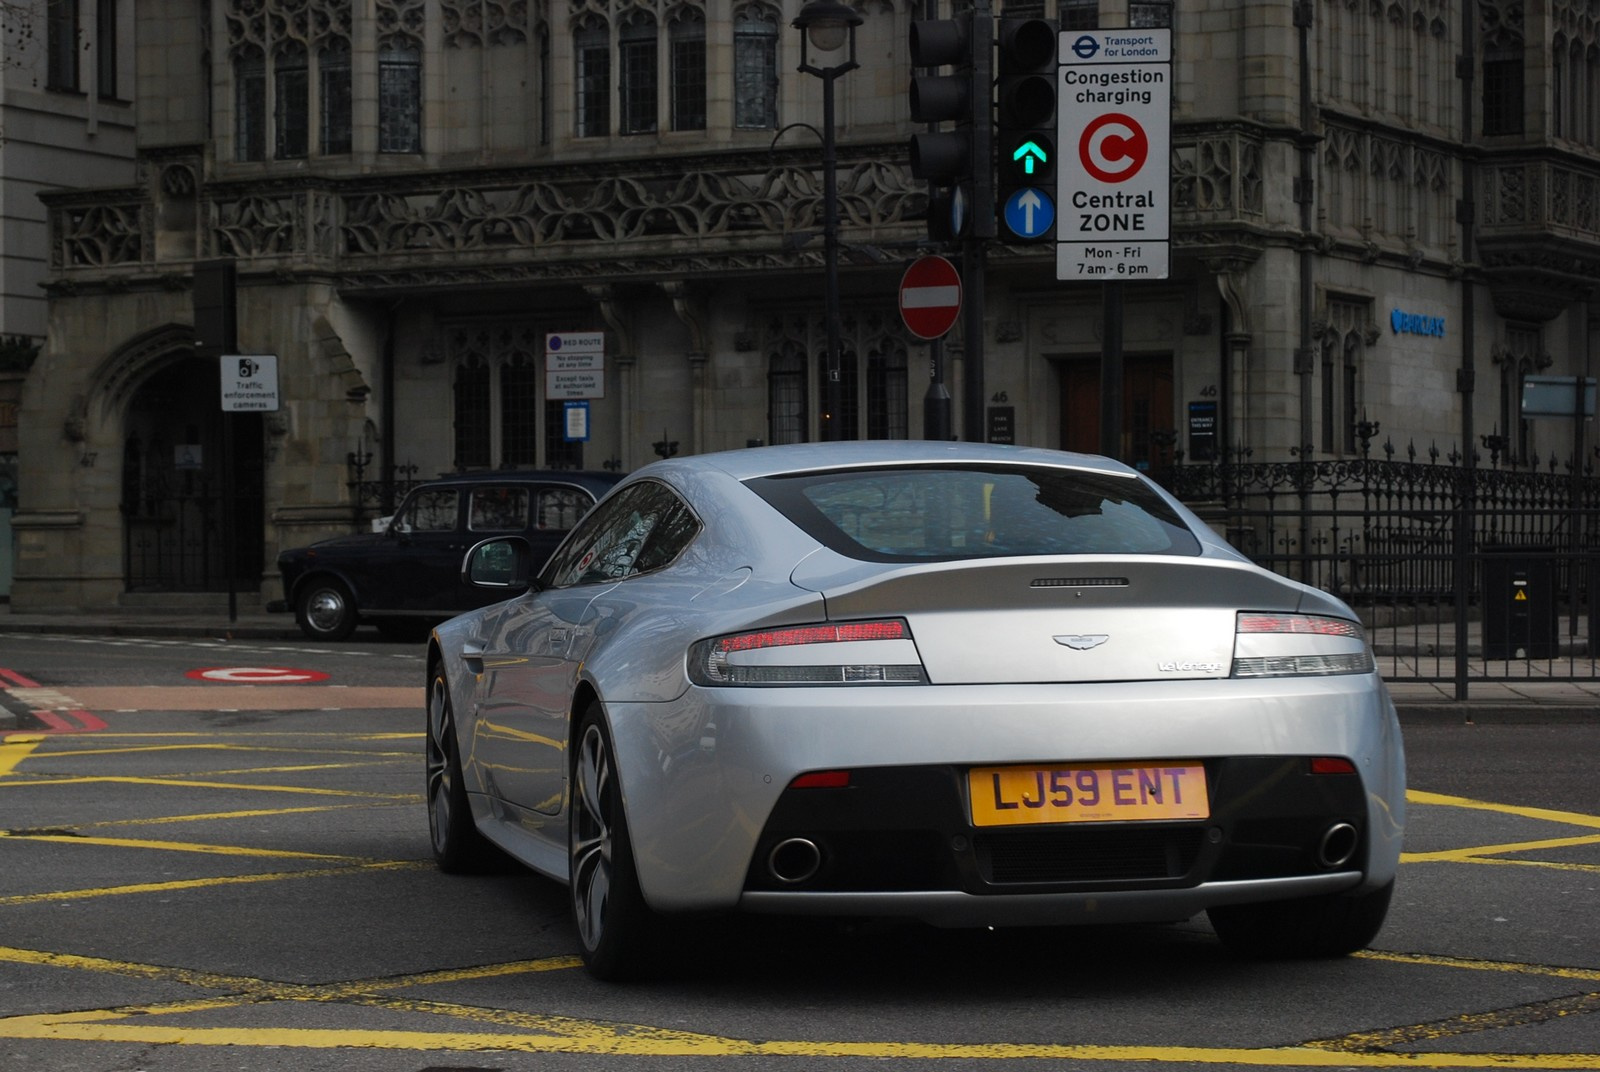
x=828 y=26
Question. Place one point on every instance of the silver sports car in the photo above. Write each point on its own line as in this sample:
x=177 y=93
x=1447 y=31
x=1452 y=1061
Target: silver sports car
x=975 y=685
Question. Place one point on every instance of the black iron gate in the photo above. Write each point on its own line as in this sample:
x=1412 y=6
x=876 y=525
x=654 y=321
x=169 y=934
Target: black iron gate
x=191 y=511
x=1459 y=571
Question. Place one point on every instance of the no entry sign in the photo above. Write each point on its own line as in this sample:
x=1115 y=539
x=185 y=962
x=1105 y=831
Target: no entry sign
x=930 y=297
x=256 y=675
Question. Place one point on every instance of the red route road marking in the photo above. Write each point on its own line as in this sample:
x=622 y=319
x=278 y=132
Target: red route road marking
x=56 y=721
x=255 y=675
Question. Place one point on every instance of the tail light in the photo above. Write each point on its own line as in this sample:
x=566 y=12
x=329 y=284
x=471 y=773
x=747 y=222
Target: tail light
x=1298 y=645
x=828 y=653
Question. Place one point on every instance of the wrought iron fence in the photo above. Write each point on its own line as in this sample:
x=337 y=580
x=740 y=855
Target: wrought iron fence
x=1460 y=571
x=375 y=499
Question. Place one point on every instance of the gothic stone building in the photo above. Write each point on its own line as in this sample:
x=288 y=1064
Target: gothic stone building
x=1385 y=212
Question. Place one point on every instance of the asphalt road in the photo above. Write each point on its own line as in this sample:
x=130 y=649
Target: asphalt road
x=233 y=872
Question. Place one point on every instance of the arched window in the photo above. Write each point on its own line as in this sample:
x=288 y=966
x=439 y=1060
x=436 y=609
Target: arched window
x=755 y=68
x=399 y=99
x=250 y=105
x=888 y=406
x=787 y=416
x=591 y=47
x=291 y=98
x=687 y=43
x=1343 y=355
x=519 y=407
x=472 y=425
x=62 y=44
x=872 y=397
x=334 y=95
x=636 y=54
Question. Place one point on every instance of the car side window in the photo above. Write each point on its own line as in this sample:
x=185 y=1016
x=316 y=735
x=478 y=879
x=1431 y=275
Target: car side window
x=429 y=510
x=498 y=509
x=618 y=539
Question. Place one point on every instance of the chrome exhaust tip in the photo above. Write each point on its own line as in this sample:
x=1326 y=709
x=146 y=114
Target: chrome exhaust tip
x=794 y=860
x=1338 y=845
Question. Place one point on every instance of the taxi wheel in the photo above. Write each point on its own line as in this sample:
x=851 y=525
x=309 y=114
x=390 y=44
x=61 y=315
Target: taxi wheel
x=326 y=611
x=458 y=847
x=1333 y=925
x=616 y=929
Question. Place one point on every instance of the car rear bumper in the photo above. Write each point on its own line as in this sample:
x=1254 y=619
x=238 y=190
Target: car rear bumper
x=949 y=908
x=704 y=777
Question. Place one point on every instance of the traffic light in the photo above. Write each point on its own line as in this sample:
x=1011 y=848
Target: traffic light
x=1025 y=128
x=951 y=158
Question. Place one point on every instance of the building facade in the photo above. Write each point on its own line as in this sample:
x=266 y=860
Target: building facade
x=1372 y=243
x=66 y=119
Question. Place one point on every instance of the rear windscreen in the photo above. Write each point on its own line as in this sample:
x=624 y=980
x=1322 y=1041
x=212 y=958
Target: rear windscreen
x=907 y=514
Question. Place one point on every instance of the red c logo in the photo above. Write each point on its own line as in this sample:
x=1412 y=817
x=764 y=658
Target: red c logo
x=1113 y=147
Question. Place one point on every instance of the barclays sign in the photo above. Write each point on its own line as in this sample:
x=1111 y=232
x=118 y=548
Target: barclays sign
x=1405 y=323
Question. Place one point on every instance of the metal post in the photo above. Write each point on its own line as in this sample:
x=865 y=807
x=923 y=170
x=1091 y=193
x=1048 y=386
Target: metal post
x=1111 y=371
x=830 y=256
x=975 y=250
x=828 y=25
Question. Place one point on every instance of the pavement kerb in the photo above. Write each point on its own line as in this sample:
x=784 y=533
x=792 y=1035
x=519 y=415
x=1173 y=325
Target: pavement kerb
x=1496 y=702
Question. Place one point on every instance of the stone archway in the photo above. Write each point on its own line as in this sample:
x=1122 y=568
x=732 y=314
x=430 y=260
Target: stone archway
x=192 y=489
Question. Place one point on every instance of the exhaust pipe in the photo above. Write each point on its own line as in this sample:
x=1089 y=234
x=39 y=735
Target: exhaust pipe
x=794 y=860
x=1338 y=844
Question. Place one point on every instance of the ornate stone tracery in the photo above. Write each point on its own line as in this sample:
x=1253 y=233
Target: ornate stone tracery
x=263 y=27
x=484 y=23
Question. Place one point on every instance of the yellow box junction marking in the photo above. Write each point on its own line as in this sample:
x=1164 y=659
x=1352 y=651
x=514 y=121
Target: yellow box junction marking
x=540 y=1033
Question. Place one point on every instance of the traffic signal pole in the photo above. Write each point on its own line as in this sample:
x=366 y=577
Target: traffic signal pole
x=1015 y=137
x=975 y=247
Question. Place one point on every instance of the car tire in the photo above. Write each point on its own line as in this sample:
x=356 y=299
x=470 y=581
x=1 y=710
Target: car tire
x=325 y=610
x=1333 y=925
x=458 y=847
x=616 y=929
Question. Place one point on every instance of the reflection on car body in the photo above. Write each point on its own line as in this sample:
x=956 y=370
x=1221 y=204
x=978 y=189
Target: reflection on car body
x=971 y=684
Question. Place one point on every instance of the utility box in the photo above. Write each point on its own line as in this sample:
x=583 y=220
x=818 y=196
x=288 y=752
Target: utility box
x=1519 y=603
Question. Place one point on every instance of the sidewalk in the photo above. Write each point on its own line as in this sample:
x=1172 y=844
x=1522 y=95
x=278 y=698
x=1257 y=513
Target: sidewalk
x=1502 y=701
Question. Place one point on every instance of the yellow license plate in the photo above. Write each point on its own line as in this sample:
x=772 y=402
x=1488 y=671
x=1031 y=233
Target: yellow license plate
x=1133 y=792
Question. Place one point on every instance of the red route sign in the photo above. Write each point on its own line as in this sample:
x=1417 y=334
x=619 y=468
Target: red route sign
x=930 y=297
x=255 y=675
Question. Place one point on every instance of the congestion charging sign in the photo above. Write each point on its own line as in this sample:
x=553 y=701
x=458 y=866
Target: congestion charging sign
x=1114 y=148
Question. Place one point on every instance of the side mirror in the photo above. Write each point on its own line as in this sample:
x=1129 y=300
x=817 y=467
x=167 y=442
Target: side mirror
x=502 y=562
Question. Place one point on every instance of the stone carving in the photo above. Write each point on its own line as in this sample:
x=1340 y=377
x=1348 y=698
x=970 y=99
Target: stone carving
x=257 y=27
x=1218 y=173
x=480 y=23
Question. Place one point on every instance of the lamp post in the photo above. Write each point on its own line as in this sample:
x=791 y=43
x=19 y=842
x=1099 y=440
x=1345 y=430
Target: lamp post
x=826 y=27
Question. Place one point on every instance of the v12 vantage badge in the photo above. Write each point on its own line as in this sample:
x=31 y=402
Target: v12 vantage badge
x=1189 y=666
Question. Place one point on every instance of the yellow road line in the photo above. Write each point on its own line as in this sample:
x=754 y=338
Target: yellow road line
x=1573 y=818
x=82 y=1028
x=207 y=883
x=16 y=748
x=143 y=749
x=252 y=813
x=190 y=783
x=1451 y=855
x=1469 y=964
x=177 y=846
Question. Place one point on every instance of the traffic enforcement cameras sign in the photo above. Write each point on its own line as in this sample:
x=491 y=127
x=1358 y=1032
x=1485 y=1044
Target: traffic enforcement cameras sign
x=250 y=383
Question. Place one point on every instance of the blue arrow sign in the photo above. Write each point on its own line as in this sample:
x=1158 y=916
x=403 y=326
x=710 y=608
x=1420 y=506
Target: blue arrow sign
x=1030 y=212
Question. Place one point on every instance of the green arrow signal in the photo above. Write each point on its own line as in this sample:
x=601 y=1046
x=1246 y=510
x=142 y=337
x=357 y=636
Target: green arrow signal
x=1030 y=154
